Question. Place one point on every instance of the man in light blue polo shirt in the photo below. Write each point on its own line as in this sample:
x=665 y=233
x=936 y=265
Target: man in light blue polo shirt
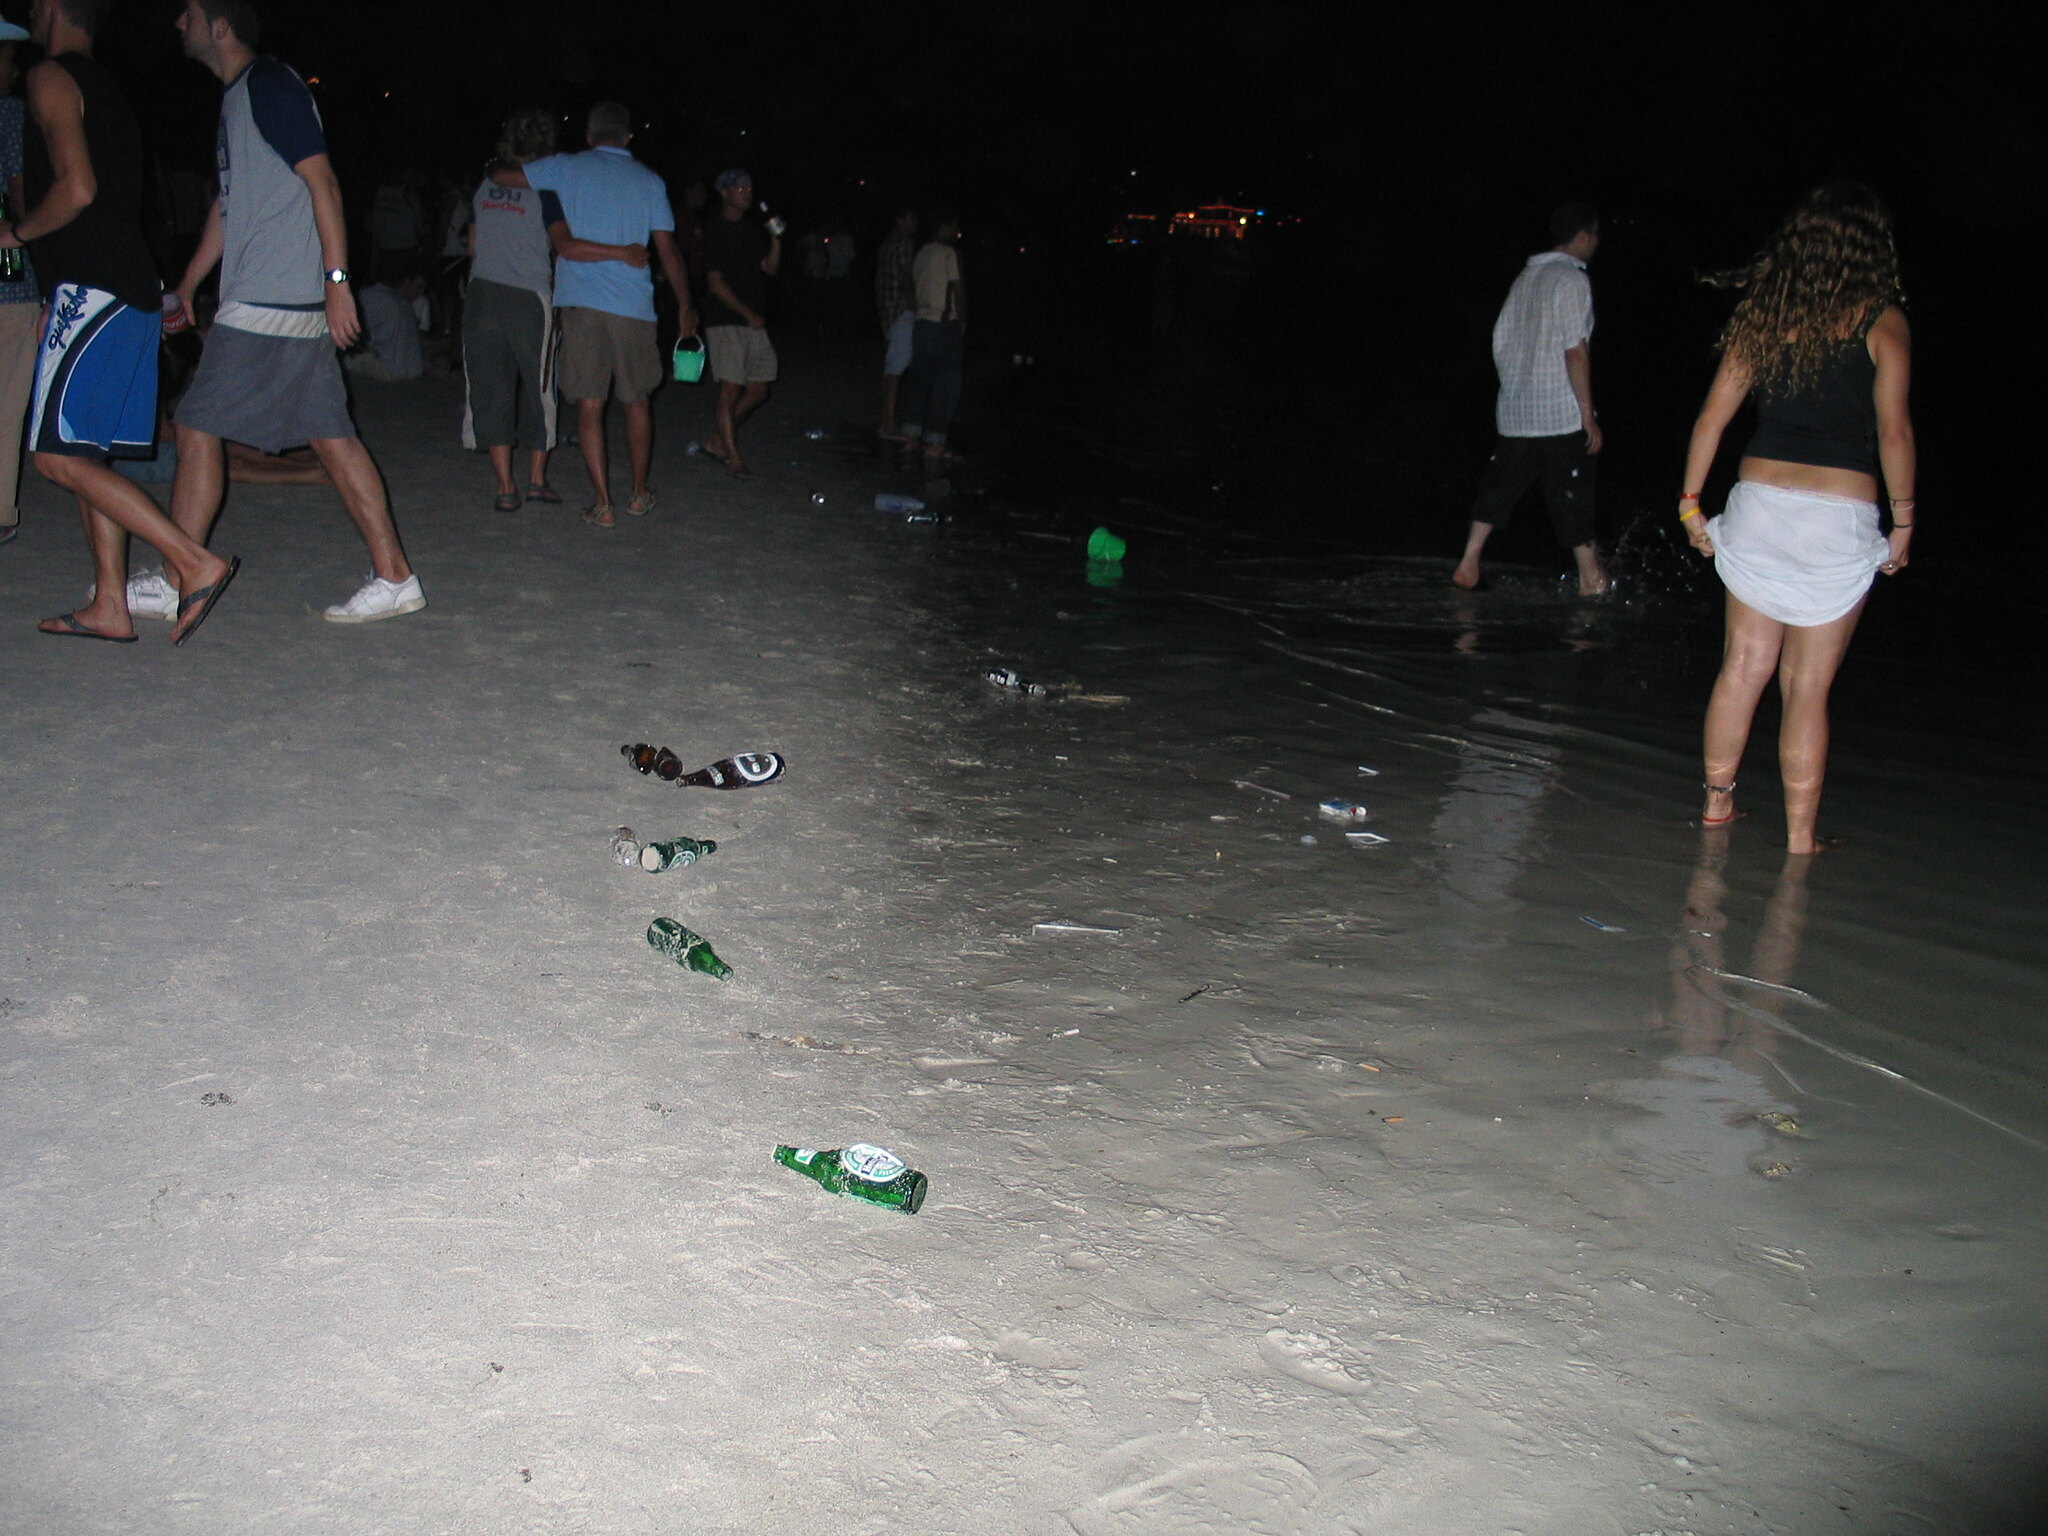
x=607 y=307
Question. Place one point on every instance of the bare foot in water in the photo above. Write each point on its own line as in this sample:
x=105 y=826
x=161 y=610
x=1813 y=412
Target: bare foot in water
x=1596 y=585
x=1815 y=845
x=1466 y=575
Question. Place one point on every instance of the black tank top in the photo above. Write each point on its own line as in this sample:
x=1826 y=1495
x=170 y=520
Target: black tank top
x=103 y=246
x=1833 y=421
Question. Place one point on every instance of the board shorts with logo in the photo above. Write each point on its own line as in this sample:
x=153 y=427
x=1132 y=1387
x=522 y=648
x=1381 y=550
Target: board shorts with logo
x=95 y=395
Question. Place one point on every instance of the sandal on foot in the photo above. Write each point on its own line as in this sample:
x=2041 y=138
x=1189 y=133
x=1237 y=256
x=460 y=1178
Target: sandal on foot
x=600 y=516
x=1709 y=823
x=546 y=495
x=199 y=604
x=68 y=628
x=640 y=505
x=509 y=502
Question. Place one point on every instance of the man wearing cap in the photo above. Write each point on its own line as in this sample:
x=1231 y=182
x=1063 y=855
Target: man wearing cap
x=739 y=258
x=606 y=308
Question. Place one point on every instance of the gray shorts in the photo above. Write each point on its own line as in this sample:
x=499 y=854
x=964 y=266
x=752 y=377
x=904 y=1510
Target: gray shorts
x=271 y=392
x=740 y=354
x=606 y=354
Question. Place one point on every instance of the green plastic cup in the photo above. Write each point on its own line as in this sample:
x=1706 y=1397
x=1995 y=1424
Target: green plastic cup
x=1104 y=545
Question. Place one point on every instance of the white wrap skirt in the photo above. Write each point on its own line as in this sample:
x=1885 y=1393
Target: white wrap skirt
x=1799 y=557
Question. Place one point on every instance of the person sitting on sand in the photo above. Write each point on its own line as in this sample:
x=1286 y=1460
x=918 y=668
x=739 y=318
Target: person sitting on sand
x=1820 y=341
x=390 y=349
x=295 y=466
x=1544 y=412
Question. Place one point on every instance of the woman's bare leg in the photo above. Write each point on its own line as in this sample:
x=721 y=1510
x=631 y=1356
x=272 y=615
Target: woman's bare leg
x=1749 y=657
x=1806 y=671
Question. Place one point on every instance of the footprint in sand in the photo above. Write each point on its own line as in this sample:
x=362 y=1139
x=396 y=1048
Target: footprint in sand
x=1179 y=1486
x=1039 y=1353
x=1318 y=1360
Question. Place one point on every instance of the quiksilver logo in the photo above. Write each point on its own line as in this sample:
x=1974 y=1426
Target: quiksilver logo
x=71 y=304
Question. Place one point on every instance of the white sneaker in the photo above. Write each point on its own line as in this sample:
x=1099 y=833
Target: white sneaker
x=380 y=599
x=150 y=596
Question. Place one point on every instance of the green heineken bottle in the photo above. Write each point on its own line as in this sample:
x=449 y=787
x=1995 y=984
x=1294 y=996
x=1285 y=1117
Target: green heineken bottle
x=862 y=1172
x=685 y=948
x=658 y=857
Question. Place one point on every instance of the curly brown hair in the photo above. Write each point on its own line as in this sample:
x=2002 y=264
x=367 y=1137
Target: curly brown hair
x=528 y=135
x=1830 y=270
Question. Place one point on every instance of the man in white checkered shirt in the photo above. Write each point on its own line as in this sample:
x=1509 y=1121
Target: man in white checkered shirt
x=1544 y=412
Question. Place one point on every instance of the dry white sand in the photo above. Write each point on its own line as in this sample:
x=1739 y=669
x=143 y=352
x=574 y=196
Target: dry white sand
x=364 y=1171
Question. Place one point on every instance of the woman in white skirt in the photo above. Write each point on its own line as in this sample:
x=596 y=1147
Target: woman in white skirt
x=1818 y=338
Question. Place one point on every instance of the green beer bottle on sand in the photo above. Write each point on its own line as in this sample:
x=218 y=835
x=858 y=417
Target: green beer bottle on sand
x=861 y=1172
x=671 y=852
x=685 y=948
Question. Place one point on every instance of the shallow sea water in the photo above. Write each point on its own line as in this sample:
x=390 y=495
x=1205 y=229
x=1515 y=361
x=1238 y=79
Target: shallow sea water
x=1724 y=1062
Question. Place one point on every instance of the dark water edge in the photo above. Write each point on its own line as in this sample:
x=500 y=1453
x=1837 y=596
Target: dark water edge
x=1273 y=400
x=1291 y=535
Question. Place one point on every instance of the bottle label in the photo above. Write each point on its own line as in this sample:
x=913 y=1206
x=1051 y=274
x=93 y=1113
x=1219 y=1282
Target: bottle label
x=877 y=1165
x=804 y=1155
x=755 y=767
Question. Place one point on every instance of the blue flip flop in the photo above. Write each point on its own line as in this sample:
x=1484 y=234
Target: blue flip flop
x=203 y=600
x=73 y=630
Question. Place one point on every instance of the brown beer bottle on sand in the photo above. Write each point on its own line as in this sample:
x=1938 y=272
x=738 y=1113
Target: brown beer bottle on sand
x=743 y=770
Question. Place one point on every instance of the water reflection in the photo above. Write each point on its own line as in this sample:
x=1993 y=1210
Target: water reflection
x=1714 y=1096
x=1483 y=833
x=1708 y=1020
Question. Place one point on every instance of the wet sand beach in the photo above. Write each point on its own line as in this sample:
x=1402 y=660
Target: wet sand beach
x=1549 y=1167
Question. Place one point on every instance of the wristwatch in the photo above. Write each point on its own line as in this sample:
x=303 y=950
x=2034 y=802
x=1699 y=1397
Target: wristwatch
x=337 y=274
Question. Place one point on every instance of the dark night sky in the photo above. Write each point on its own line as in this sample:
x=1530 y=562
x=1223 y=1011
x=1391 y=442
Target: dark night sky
x=1334 y=110
x=1422 y=145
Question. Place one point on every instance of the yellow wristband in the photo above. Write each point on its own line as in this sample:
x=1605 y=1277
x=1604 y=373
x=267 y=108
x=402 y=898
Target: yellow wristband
x=1687 y=516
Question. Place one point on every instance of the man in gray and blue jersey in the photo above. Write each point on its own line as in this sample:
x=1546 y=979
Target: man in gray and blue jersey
x=270 y=376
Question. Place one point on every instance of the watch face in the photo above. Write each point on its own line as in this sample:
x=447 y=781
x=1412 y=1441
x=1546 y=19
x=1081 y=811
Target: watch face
x=336 y=275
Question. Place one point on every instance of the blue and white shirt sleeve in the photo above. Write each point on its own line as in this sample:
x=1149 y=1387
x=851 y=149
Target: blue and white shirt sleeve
x=284 y=112
x=551 y=212
x=547 y=174
x=1575 y=309
x=659 y=214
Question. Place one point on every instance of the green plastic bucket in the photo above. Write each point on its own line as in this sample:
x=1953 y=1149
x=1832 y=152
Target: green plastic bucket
x=688 y=361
